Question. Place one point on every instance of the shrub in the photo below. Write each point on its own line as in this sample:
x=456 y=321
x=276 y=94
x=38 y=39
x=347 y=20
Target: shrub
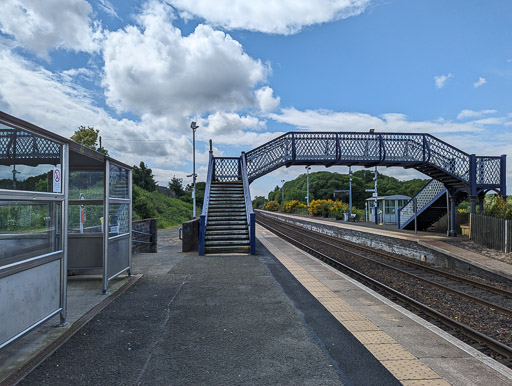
x=271 y=206
x=293 y=205
x=499 y=208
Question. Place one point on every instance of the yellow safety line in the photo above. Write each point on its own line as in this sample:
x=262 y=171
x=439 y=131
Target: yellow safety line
x=408 y=369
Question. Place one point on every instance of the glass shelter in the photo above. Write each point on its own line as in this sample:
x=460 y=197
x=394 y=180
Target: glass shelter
x=62 y=207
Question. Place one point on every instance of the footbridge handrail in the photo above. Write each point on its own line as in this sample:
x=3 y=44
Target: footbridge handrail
x=203 y=218
x=251 y=216
x=424 y=152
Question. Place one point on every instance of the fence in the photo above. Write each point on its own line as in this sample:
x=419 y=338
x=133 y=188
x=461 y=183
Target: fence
x=144 y=235
x=495 y=233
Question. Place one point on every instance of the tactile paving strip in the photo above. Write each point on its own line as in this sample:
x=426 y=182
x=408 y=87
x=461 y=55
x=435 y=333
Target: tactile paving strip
x=402 y=364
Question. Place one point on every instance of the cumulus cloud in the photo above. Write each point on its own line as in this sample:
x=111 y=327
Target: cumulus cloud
x=440 y=80
x=266 y=100
x=174 y=74
x=277 y=17
x=41 y=26
x=480 y=82
x=464 y=114
x=222 y=122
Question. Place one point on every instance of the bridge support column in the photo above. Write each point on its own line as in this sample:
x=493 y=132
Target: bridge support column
x=472 y=202
x=452 y=232
x=481 y=204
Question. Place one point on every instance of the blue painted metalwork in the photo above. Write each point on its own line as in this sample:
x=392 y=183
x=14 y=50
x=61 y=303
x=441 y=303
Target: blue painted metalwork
x=453 y=170
x=423 y=152
x=251 y=217
x=22 y=148
x=203 y=218
x=429 y=194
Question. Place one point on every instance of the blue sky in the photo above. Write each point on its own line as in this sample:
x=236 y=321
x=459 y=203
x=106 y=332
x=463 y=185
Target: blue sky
x=141 y=71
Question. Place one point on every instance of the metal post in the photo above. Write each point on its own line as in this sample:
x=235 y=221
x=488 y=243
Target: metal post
x=481 y=204
x=452 y=231
x=350 y=189
x=376 y=202
x=472 y=201
x=64 y=236
x=106 y=226
x=193 y=126
x=307 y=185
x=130 y=224
x=447 y=213
x=506 y=236
x=415 y=209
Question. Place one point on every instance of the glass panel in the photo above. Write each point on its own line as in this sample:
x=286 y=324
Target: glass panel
x=118 y=178
x=28 y=229
x=119 y=221
x=86 y=185
x=27 y=161
x=90 y=222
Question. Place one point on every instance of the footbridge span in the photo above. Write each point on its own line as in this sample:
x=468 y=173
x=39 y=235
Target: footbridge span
x=455 y=174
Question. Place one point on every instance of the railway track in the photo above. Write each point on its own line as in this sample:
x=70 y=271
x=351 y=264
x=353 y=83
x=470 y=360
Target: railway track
x=474 y=307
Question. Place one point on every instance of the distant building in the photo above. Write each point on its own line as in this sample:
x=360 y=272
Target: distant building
x=387 y=208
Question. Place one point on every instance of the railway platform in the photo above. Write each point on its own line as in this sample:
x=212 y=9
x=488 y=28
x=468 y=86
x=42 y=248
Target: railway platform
x=277 y=317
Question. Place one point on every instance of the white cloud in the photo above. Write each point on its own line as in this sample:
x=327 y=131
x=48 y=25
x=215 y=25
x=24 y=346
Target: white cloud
x=41 y=26
x=107 y=7
x=440 y=80
x=464 y=114
x=266 y=100
x=175 y=75
x=480 y=82
x=325 y=120
x=222 y=122
x=269 y=16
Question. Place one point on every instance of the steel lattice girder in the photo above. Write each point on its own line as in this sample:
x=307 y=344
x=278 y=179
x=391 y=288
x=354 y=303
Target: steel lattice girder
x=24 y=148
x=423 y=152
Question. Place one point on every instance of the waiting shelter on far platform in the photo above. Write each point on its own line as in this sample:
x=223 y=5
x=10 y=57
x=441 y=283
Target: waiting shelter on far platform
x=63 y=207
x=387 y=208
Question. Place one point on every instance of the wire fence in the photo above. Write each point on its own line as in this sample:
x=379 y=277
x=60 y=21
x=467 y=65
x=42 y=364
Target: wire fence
x=490 y=232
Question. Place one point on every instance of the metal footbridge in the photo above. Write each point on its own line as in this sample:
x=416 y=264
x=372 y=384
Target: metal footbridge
x=455 y=174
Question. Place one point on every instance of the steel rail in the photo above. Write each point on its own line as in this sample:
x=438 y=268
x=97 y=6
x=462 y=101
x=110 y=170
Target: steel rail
x=477 y=336
x=433 y=283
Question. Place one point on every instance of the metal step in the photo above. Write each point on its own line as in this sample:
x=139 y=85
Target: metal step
x=219 y=243
x=227 y=232
x=222 y=217
x=227 y=237
x=230 y=222
x=243 y=250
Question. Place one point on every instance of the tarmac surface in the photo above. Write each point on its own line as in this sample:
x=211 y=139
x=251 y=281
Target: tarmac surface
x=212 y=320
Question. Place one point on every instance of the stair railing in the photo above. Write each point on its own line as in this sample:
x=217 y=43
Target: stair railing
x=203 y=218
x=251 y=216
x=430 y=192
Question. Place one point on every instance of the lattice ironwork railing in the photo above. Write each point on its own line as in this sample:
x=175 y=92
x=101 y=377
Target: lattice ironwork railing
x=448 y=158
x=270 y=156
x=488 y=170
x=423 y=198
x=21 y=147
x=226 y=169
x=369 y=148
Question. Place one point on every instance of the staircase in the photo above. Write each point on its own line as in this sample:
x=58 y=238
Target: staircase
x=431 y=206
x=226 y=228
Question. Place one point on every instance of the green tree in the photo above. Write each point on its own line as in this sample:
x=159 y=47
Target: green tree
x=176 y=185
x=143 y=177
x=88 y=136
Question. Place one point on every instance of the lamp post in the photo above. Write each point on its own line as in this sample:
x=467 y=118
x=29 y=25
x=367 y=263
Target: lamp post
x=308 y=168
x=282 y=192
x=350 y=189
x=193 y=126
